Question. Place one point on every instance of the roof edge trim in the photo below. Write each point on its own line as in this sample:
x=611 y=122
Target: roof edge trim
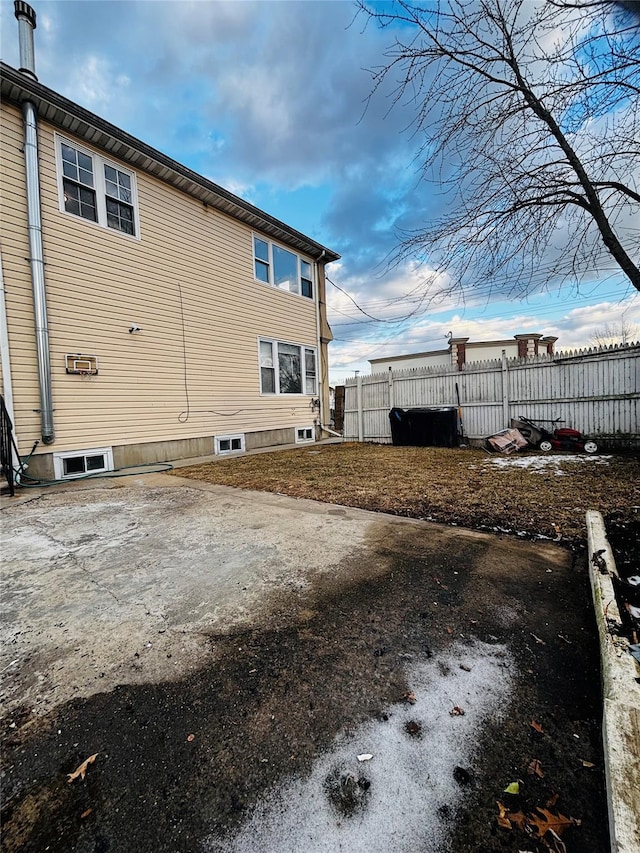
x=17 y=87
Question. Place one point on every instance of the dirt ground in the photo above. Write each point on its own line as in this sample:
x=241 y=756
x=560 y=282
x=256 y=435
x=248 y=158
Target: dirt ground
x=243 y=754
x=529 y=495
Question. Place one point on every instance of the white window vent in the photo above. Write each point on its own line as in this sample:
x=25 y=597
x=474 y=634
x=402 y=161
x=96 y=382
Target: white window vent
x=78 y=463
x=229 y=444
x=304 y=434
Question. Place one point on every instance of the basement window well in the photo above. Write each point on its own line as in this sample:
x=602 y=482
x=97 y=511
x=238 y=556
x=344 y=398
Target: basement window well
x=79 y=463
x=304 y=434
x=229 y=443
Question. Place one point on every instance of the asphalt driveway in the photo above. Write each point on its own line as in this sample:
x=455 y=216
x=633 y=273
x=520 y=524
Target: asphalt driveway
x=260 y=673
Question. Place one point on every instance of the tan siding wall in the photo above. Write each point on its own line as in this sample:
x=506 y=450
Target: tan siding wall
x=99 y=282
x=14 y=245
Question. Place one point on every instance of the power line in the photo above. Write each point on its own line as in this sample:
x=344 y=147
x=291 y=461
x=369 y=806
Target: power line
x=380 y=343
x=489 y=289
x=376 y=319
x=566 y=300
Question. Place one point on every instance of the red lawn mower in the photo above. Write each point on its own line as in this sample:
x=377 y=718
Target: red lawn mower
x=557 y=439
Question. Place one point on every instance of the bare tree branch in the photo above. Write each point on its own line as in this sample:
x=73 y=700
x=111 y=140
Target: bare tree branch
x=526 y=118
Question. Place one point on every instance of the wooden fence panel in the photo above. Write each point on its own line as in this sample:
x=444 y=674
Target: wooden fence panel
x=595 y=391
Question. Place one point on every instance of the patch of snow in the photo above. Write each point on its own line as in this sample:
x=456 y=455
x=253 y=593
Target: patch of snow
x=548 y=464
x=412 y=795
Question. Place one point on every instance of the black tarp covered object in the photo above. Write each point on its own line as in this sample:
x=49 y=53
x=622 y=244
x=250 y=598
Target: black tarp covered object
x=432 y=427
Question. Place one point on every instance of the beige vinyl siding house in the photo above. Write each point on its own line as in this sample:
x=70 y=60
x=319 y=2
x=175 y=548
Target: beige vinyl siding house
x=195 y=371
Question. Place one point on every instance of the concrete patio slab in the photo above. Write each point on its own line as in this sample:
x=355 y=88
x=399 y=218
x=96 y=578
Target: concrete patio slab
x=99 y=571
x=228 y=655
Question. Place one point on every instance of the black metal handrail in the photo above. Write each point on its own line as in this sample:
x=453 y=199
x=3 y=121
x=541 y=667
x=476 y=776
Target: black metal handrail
x=6 y=443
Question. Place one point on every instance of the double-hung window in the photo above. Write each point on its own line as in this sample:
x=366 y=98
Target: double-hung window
x=95 y=189
x=78 y=183
x=119 y=200
x=282 y=268
x=287 y=368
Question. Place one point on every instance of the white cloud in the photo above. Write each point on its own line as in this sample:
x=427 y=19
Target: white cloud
x=242 y=190
x=267 y=97
x=575 y=328
x=46 y=23
x=579 y=325
x=95 y=83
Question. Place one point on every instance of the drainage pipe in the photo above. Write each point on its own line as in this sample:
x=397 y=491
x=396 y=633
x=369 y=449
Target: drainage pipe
x=27 y=24
x=316 y=287
x=332 y=431
x=37 y=270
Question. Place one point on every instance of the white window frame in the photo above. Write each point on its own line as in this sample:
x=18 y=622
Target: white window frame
x=300 y=259
x=218 y=438
x=58 y=462
x=304 y=439
x=100 y=189
x=276 y=368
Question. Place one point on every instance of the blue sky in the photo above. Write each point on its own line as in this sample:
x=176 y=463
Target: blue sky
x=269 y=99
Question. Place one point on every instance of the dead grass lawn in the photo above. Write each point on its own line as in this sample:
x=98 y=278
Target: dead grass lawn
x=463 y=487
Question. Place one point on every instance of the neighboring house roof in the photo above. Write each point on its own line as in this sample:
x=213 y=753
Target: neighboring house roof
x=469 y=345
x=17 y=87
x=409 y=355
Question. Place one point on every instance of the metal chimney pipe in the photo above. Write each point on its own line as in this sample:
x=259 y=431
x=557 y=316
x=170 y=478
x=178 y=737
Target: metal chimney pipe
x=26 y=25
x=27 y=22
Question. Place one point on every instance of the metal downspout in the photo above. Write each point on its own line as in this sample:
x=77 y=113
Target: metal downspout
x=322 y=411
x=316 y=288
x=37 y=269
x=27 y=23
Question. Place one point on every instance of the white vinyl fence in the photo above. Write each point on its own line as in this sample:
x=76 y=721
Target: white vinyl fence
x=596 y=391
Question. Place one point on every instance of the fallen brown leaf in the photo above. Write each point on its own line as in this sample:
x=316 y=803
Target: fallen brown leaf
x=449 y=630
x=85 y=813
x=536 y=727
x=587 y=764
x=556 y=823
x=535 y=768
x=456 y=711
x=503 y=820
x=507 y=819
x=518 y=818
x=409 y=697
x=553 y=799
x=82 y=769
